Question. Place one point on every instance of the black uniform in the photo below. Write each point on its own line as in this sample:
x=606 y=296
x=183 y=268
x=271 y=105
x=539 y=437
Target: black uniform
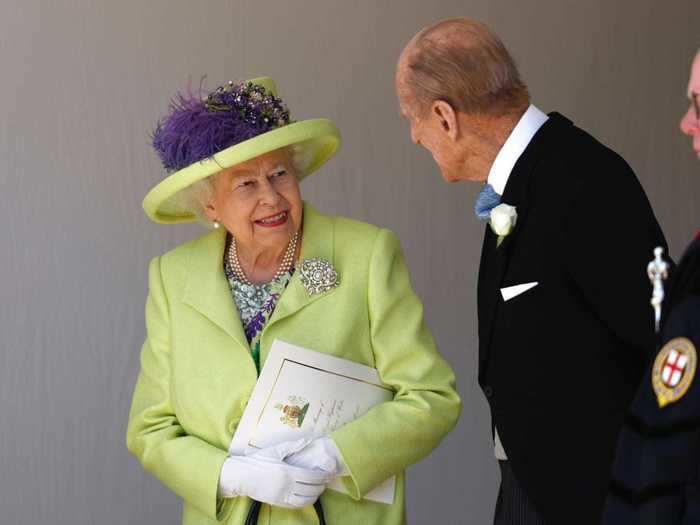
x=656 y=475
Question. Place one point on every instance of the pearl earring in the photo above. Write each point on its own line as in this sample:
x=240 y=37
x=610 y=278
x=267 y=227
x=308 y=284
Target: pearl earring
x=216 y=225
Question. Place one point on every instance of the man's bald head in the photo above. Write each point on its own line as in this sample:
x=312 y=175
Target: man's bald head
x=463 y=63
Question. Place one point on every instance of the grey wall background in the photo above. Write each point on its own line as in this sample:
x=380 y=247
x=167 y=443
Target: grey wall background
x=84 y=82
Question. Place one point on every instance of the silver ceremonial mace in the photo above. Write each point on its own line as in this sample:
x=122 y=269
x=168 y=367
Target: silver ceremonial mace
x=657 y=270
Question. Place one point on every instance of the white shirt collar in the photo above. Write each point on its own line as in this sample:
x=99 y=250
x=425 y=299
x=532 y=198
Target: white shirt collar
x=510 y=152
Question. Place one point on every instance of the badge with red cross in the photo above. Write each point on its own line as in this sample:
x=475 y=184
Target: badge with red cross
x=674 y=370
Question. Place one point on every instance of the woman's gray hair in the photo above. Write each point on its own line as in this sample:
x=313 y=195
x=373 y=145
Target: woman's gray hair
x=195 y=197
x=462 y=62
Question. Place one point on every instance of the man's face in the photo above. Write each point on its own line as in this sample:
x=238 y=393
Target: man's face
x=427 y=130
x=690 y=123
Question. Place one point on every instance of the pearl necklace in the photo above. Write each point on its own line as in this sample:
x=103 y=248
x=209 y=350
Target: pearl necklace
x=285 y=266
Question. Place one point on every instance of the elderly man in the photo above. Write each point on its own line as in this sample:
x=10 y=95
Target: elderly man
x=656 y=476
x=564 y=322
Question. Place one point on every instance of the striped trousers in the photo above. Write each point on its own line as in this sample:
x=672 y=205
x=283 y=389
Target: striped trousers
x=513 y=506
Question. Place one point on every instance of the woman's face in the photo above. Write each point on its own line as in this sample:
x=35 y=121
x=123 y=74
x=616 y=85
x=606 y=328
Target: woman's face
x=258 y=201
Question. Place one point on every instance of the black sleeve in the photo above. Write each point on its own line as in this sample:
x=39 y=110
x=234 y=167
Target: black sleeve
x=655 y=474
x=610 y=236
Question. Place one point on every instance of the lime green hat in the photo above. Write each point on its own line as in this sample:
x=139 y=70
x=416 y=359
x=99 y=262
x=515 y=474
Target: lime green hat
x=233 y=124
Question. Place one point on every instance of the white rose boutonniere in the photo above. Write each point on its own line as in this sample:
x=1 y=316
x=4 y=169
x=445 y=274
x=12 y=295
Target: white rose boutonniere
x=502 y=221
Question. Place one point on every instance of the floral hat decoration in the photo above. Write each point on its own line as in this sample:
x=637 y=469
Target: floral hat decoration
x=234 y=123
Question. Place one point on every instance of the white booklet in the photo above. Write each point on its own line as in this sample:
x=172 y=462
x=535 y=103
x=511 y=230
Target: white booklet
x=302 y=393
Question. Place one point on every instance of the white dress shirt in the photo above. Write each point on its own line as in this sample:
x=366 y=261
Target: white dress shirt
x=502 y=166
x=517 y=141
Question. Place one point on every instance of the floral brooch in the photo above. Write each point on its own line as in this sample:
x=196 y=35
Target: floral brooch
x=318 y=275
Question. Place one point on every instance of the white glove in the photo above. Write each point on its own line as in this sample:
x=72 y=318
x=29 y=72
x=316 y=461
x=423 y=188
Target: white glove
x=320 y=454
x=264 y=477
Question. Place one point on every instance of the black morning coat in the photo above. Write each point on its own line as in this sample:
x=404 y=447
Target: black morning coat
x=560 y=363
x=657 y=469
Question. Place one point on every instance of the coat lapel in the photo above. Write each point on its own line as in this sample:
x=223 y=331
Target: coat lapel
x=317 y=241
x=207 y=290
x=495 y=259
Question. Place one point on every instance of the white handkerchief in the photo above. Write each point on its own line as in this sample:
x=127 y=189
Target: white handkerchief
x=512 y=291
x=498 y=449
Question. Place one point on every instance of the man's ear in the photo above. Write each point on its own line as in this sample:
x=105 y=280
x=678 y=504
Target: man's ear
x=447 y=117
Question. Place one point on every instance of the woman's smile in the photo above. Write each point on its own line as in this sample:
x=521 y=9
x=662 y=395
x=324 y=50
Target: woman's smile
x=273 y=221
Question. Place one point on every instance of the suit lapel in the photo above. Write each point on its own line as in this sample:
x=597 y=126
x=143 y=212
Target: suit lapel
x=495 y=259
x=487 y=299
x=207 y=290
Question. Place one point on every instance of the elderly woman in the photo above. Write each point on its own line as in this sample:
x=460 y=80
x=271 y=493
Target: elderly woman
x=217 y=303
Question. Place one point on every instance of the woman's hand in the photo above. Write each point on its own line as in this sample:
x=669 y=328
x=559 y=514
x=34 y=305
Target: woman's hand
x=267 y=479
x=320 y=454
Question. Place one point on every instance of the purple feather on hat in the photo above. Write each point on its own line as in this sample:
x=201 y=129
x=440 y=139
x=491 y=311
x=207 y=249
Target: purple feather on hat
x=197 y=128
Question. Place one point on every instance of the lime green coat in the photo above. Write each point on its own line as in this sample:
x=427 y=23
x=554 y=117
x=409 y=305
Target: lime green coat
x=197 y=372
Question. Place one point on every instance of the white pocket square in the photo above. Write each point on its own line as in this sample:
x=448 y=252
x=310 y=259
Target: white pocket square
x=513 y=291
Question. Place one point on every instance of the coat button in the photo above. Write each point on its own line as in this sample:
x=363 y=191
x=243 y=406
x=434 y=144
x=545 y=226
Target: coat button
x=488 y=391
